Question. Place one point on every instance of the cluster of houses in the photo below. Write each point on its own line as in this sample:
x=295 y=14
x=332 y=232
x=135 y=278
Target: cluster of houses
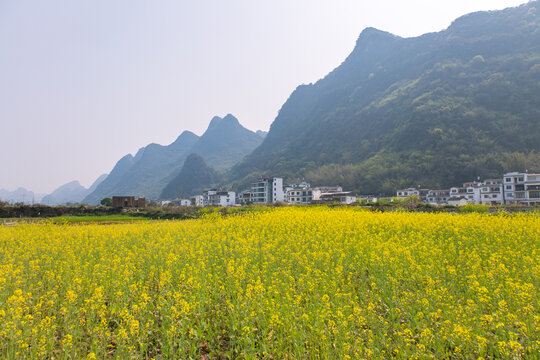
x=513 y=188
x=268 y=190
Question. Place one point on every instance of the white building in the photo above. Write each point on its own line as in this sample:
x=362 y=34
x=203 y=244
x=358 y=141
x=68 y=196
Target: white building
x=342 y=197
x=182 y=202
x=469 y=191
x=197 y=200
x=458 y=201
x=267 y=190
x=214 y=197
x=491 y=192
x=438 y=196
x=521 y=188
x=408 y=192
x=421 y=193
x=245 y=197
x=299 y=193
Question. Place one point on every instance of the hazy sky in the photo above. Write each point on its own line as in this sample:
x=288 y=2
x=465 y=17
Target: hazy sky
x=83 y=83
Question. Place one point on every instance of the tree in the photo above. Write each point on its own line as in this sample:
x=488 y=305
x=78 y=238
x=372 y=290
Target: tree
x=106 y=202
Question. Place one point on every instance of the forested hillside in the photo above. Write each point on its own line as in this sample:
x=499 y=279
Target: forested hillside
x=434 y=110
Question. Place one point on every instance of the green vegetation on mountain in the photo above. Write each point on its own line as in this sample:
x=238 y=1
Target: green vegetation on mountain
x=194 y=177
x=434 y=110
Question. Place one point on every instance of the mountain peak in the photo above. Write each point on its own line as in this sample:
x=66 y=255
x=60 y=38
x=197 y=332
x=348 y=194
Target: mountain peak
x=185 y=136
x=231 y=119
x=371 y=33
x=214 y=122
x=373 y=39
x=228 y=121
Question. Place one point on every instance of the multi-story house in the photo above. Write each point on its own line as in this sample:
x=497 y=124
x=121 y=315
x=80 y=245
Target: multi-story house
x=245 y=197
x=267 y=189
x=343 y=197
x=460 y=192
x=216 y=197
x=197 y=200
x=182 y=202
x=329 y=189
x=521 y=188
x=438 y=196
x=299 y=193
x=491 y=192
x=421 y=193
x=407 y=192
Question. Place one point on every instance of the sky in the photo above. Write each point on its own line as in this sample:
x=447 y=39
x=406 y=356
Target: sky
x=83 y=83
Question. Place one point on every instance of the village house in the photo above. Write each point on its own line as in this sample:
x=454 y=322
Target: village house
x=245 y=197
x=214 y=197
x=299 y=193
x=128 y=202
x=521 y=188
x=267 y=190
x=342 y=197
x=197 y=200
x=182 y=202
x=491 y=192
x=421 y=193
x=438 y=196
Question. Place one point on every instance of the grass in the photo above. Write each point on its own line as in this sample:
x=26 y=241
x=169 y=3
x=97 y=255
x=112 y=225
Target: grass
x=119 y=218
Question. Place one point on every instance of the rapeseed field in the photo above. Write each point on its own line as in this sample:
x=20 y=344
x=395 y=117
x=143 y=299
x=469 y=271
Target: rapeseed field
x=290 y=283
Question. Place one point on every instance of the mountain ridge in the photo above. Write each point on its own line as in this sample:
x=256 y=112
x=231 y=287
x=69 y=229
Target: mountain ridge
x=71 y=192
x=224 y=143
x=397 y=109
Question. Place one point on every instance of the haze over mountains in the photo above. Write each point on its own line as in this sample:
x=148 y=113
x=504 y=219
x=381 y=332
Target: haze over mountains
x=222 y=145
x=20 y=195
x=72 y=192
x=436 y=110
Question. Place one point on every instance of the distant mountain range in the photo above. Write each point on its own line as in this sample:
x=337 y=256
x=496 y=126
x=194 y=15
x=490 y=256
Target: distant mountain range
x=71 y=193
x=434 y=110
x=222 y=145
x=20 y=195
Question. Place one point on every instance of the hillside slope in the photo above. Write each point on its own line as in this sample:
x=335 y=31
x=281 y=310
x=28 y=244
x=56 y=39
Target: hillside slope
x=148 y=172
x=194 y=177
x=222 y=145
x=434 y=110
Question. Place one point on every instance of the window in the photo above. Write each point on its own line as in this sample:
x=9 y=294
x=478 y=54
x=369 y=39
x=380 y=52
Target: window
x=507 y=179
x=520 y=179
x=508 y=187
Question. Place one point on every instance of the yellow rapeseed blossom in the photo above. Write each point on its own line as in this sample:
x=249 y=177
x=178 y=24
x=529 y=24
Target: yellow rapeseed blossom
x=286 y=283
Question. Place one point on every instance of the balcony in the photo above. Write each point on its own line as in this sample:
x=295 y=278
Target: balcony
x=534 y=194
x=520 y=195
